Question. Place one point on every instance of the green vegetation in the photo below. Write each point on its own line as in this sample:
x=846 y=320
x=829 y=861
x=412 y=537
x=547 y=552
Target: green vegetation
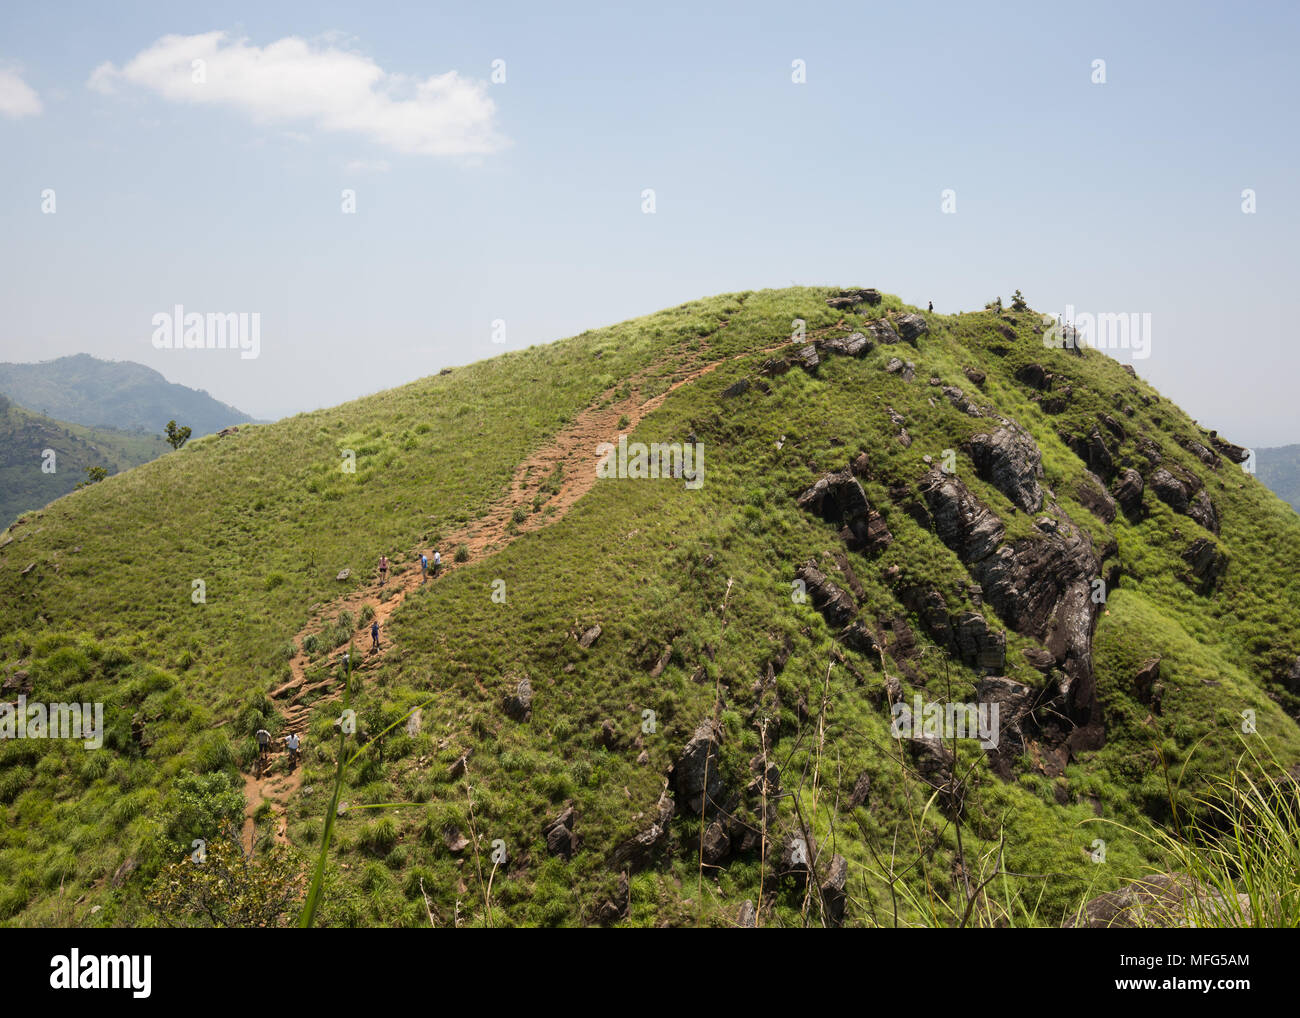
x=30 y=478
x=267 y=519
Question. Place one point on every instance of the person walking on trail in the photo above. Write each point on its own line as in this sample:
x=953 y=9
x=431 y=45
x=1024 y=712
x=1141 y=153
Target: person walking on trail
x=437 y=562
x=292 y=743
x=424 y=567
x=374 y=635
x=383 y=569
x=263 y=742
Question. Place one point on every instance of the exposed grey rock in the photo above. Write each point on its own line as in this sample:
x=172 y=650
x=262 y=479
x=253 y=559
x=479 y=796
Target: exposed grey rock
x=717 y=845
x=1009 y=459
x=519 y=704
x=640 y=849
x=1201 y=509
x=1128 y=488
x=589 y=637
x=1235 y=453
x=736 y=389
x=912 y=326
x=882 y=332
x=837 y=606
x=1035 y=376
x=838 y=498
x=695 y=774
x=1093 y=496
x=748 y=918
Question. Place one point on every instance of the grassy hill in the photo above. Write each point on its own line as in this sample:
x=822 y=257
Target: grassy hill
x=113 y=394
x=1279 y=469
x=671 y=665
x=24 y=439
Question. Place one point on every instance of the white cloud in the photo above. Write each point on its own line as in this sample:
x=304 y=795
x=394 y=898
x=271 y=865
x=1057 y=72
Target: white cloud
x=366 y=166
x=16 y=97
x=334 y=90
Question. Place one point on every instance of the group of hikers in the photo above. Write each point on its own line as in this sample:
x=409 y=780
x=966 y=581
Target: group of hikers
x=425 y=562
x=292 y=742
x=424 y=567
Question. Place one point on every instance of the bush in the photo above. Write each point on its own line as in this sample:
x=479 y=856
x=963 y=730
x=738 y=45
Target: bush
x=462 y=553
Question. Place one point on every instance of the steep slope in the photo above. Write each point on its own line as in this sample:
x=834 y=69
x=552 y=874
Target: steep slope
x=30 y=477
x=662 y=699
x=113 y=394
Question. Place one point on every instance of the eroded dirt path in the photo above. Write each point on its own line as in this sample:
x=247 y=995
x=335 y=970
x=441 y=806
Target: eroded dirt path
x=572 y=452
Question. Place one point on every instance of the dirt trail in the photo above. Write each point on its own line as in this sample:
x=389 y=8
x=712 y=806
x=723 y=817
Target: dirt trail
x=572 y=451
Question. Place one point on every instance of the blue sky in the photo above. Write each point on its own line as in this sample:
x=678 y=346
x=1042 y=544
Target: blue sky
x=521 y=200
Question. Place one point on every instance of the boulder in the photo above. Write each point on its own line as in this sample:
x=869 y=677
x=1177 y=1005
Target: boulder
x=911 y=327
x=613 y=909
x=1235 y=453
x=343 y=574
x=1035 y=376
x=716 y=845
x=882 y=332
x=695 y=774
x=805 y=357
x=640 y=849
x=736 y=389
x=519 y=704
x=1169 y=489
x=747 y=918
x=560 y=839
x=589 y=637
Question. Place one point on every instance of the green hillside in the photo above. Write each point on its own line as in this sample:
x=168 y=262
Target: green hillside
x=672 y=667
x=113 y=394
x=30 y=478
x=1279 y=469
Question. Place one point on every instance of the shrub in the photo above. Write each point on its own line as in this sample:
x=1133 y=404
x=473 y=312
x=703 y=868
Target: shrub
x=462 y=553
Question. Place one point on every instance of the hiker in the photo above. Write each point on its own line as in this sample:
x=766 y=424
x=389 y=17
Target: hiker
x=263 y=742
x=292 y=743
x=437 y=562
x=931 y=307
x=424 y=567
x=383 y=569
x=374 y=635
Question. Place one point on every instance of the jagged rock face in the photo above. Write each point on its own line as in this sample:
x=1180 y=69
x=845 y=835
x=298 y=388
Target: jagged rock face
x=882 y=332
x=1169 y=489
x=854 y=345
x=1015 y=703
x=1094 y=497
x=1094 y=452
x=1041 y=586
x=1234 y=452
x=1185 y=495
x=965 y=634
x=838 y=498
x=837 y=606
x=1128 y=489
x=1009 y=460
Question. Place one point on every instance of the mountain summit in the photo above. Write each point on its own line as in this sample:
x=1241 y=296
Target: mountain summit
x=930 y=599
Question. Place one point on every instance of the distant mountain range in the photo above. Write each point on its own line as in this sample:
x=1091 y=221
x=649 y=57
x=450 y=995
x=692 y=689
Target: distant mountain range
x=1279 y=470
x=113 y=394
